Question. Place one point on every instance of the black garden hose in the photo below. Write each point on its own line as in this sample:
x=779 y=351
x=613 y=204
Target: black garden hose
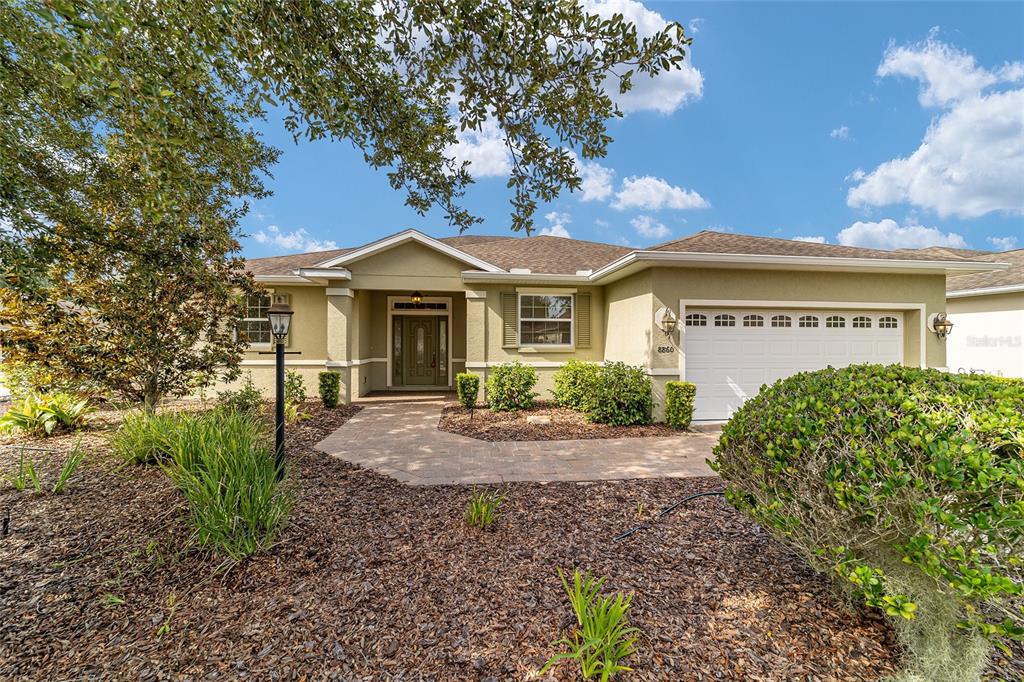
x=664 y=512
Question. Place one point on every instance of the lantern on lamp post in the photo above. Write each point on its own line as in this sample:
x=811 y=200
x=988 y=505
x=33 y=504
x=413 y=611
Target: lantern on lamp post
x=280 y=316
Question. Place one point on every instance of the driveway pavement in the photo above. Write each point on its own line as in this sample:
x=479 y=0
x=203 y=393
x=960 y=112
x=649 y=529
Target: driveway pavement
x=401 y=439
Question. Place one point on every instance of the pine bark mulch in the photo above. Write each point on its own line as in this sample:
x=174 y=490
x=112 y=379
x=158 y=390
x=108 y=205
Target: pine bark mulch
x=566 y=424
x=376 y=580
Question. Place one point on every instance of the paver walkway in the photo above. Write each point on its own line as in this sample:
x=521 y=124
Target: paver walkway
x=402 y=440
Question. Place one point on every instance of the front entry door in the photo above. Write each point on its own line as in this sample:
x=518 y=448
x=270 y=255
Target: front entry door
x=420 y=360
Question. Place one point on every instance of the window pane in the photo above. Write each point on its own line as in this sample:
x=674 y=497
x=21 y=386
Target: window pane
x=255 y=331
x=725 y=321
x=835 y=322
x=546 y=307
x=782 y=321
x=887 y=323
x=808 y=321
x=540 y=333
x=753 y=321
x=696 y=320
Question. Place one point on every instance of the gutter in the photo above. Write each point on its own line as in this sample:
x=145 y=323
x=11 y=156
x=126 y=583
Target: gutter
x=986 y=291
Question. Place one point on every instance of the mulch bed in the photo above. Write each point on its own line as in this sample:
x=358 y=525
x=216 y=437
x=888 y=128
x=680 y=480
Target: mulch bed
x=376 y=580
x=566 y=424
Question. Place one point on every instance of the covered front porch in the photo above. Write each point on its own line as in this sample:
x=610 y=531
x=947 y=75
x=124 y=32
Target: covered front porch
x=394 y=340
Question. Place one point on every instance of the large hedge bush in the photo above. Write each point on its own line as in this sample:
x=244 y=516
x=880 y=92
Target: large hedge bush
x=679 y=399
x=574 y=382
x=908 y=486
x=620 y=396
x=510 y=387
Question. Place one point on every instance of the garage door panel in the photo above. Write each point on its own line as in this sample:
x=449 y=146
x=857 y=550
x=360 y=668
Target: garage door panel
x=731 y=364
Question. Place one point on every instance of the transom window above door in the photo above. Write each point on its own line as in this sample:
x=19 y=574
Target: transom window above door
x=545 y=319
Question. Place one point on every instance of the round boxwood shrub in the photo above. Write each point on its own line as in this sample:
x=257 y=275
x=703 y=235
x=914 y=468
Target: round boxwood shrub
x=510 y=387
x=574 y=382
x=620 y=396
x=679 y=397
x=467 y=387
x=905 y=484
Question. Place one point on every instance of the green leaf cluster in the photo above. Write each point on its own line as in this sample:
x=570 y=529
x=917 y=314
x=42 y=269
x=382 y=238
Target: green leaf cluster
x=330 y=388
x=482 y=510
x=467 y=388
x=510 y=387
x=906 y=483
x=620 y=395
x=46 y=414
x=679 y=400
x=574 y=384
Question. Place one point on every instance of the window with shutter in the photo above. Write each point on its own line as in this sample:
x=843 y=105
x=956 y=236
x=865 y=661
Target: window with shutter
x=509 y=320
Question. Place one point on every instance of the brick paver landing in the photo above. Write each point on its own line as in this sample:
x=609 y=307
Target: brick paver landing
x=402 y=441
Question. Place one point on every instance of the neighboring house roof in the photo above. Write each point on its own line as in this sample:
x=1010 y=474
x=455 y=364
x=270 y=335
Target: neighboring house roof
x=504 y=257
x=993 y=282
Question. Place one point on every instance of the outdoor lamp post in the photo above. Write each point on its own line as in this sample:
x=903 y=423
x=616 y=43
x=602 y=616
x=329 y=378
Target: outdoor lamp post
x=280 y=316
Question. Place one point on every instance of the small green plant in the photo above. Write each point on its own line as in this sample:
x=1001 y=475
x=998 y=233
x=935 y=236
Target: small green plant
x=467 y=387
x=146 y=437
x=43 y=415
x=482 y=510
x=68 y=470
x=574 y=384
x=510 y=387
x=602 y=638
x=679 y=398
x=294 y=387
x=110 y=600
x=330 y=388
x=246 y=400
x=293 y=414
x=25 y=476
x=620 y=396
x=223 y=462
x=172 y=606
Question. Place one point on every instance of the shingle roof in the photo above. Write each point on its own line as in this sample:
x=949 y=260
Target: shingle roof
x=709 y=241
x=1014 y=275
x=545 y=254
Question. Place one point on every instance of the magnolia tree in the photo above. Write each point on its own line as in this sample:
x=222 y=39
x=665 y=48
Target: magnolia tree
x=127 y=154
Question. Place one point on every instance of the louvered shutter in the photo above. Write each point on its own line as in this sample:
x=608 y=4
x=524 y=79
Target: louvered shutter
x=509 y=320
x=583 y=320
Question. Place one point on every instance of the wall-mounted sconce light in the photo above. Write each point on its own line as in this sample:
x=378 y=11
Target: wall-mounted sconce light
x=416 y=298
x=940 y=324
x=666 y=320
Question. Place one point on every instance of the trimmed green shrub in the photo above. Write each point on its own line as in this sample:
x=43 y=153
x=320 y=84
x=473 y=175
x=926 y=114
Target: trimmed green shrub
x=44 y=415
x=467 y=387
x=679 y=397
x=908 y=486
x=294 y=387
x=330 y=388
x=510 y=387
x=146 y=437
x=223 y=462
x=620 y=396
x=574 y=382
x=246 y=400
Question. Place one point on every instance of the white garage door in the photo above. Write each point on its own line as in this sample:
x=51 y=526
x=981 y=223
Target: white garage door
x=730 y=354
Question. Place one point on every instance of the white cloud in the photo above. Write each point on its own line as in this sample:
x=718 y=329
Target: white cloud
x=971 y=160
x=695 y=25
x=840 y=133
x=888 y=234
x=667 y=91
x=947 y=75
x=651 y=193
x=812 y=240
x=646 y=226
x=557 y=226
x=1003 y=243
x=297 y=240
x=597 y=179
x=485 y=150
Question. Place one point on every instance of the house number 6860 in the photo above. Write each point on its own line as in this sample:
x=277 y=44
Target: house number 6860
x=666 y=349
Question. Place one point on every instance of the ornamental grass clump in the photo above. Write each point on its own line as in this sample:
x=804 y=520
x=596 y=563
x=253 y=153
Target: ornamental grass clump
x=223 y=462
x=146 y=437
x=602 y=638
x=905 y=484
x=482 y=510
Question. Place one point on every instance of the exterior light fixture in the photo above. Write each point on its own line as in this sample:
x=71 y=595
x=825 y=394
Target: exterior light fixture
x=416 y=298
x=941 y=325
x=280 y=316
x=667 y=321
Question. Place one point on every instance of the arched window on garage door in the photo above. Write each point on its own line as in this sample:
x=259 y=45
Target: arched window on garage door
x=888 y=322
x=725 y=321
x=808 y=321
x=862 y=322
x=753 y=321
x=696 y=320
x=782 y=321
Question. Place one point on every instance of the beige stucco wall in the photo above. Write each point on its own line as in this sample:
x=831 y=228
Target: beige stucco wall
x=988 y=334
x=407 y=267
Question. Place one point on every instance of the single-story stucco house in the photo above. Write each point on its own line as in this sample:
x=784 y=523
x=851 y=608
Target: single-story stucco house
x=987 y=309
x=410 y=311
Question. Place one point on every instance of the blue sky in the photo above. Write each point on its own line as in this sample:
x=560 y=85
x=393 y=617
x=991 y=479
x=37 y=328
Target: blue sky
x=872 y=124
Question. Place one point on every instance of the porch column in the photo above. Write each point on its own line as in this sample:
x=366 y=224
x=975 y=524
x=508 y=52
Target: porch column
x=339 y=336
x=476 y=333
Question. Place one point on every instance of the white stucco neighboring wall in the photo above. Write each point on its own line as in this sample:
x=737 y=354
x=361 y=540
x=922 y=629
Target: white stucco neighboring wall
x=988 y=334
